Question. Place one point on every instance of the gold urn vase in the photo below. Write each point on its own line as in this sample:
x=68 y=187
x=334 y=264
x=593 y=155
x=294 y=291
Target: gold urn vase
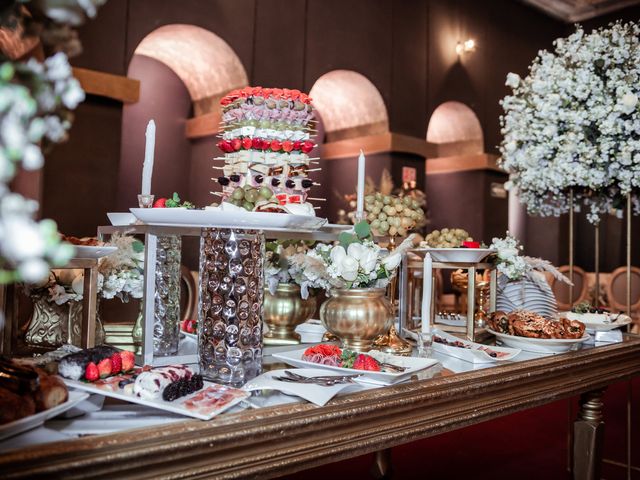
x=357 y=316
x=284 y=311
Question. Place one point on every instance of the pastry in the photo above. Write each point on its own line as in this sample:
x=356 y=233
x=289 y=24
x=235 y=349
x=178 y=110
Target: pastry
x=74 y=366
x=167 y=383
x=522 y=323
x=51 y=393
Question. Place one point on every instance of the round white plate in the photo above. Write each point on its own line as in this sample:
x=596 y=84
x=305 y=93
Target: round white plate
x=219 y=218
x=600 y=323
x=539 y=345
x=459 y=255
x=85 y=251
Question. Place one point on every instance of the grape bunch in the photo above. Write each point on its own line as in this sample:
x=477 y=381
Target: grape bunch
x=392 y=215
x=247 y=197
x=447 y=238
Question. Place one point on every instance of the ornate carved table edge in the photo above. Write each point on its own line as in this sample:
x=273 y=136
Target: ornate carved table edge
x=278 y=440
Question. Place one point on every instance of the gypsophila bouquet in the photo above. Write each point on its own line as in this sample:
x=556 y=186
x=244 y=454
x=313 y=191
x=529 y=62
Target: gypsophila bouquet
x=573 y=123
x=278 y=267
x=512 y=266
x=355 y=262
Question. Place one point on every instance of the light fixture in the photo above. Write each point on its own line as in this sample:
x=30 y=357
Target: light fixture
x=465 y=47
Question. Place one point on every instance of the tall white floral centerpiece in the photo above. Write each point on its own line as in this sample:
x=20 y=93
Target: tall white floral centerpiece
x=36 y=100
x=573 y=124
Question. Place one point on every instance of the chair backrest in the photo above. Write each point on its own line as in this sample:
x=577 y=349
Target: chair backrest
x=617 y=289
x=561 y=289
x=188 y=294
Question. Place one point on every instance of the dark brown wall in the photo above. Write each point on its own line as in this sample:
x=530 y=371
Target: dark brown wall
x=405 y=47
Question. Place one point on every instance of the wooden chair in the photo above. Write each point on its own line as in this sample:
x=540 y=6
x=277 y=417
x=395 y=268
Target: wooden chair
x=617 y=293
x=561 y=289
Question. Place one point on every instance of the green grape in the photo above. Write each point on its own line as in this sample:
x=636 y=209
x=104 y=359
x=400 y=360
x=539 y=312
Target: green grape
x=375 y=224
x=247 y=206
x=369 y=198
x=378 y=196
x=415 y=204
x=407 y=222
x=379 y=204
x=382 y=216
x=265 y=192
x=407 y=201
x=386 y=199
x=370 y=218
x=251 y=195
x=399 y=207
x=375 y=210
x=402 y=232
x=384 y=227
x=238 y=194
x=393 y=231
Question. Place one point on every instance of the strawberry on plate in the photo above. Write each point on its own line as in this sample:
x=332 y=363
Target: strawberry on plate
x=366 y=362
x=160 y=203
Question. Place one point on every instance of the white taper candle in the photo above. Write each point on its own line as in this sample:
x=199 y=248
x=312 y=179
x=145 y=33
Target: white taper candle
x=147 y=167
x=426 y=293
x=360 y=189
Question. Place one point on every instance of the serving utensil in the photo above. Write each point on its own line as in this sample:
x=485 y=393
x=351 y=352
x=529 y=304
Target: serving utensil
x=324 y=380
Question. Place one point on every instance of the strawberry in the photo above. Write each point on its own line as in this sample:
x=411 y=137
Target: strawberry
x=366 y=362
x=307 y=146
x=116 y=363
x=246 y=143
x=287 y=145
x=471 y=244
x=256 y=143
x=275 y=145
x=104 y=367
x=160 y=203
x=297 y=144
x=190 y=326
x=236 y=144
x=128 y=360
x=91 y=373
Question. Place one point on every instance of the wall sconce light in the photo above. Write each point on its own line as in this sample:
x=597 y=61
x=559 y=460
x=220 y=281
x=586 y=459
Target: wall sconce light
x=465 y=47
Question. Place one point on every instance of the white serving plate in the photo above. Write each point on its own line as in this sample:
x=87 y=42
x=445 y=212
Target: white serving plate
x=459 y=255
x=413 y=364
x=226 y=396
x=226 y=219
x=317 y=394
x=539 y=345
x=473 y=354
x=87 y=251
x=33 y=421
x=119 y=219
x=599 y=322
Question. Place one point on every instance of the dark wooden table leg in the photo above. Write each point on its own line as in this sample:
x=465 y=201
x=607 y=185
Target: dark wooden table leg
x=381 y=468
x=588 y=434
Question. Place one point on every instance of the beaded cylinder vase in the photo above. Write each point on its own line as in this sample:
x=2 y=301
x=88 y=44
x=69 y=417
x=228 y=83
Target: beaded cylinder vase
x=166 y=316
x=230 y=336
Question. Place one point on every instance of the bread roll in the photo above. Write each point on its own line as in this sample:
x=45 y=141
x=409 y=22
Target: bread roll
x=52 y=391
x=14 y=407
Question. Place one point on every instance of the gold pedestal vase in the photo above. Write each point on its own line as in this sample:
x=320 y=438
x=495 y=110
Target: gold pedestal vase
x=284 y=311
x=357 y=316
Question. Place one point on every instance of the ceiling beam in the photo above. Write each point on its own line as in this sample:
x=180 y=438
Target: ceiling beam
x=571 y=11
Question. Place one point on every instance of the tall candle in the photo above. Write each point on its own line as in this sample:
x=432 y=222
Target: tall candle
x=147 y=167
x=360 y=190
x=426 y=293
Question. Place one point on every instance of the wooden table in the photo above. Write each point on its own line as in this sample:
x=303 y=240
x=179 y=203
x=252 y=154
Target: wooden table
x=275 y=441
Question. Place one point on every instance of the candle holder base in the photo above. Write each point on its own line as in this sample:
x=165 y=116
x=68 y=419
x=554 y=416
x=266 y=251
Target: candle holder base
x=392 y=343
x=145 y=201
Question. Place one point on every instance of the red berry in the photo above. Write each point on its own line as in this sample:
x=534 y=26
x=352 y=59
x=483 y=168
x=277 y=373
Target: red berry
x=275 y=145
x=191 y=326
x=104 y=367
x=116 y=363
x=471 y=244
x=287 y=145
x=297 y=144
x=236 y=144
x=128 y=360
x=160 y=203
x=91 y=373
x=366 y=362
x=256 y=143
x=307 y=146
x=246 y=143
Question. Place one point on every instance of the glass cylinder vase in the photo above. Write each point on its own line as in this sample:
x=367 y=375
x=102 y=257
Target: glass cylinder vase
x=231 y=303
x=166 y=316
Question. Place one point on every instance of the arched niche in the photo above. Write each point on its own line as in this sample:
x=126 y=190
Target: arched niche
x=183 y=70
x=456 y=130
x=350 y=105
x=205 y=63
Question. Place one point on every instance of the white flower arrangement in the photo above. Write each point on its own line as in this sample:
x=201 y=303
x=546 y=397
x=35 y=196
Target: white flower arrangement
x=355 y=262
x=36 y=100
x=279 y=267
x=573 y=124
x=119 y=275
x=513 y=267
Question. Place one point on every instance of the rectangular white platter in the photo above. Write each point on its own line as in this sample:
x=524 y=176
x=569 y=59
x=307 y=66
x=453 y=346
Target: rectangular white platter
x=204 y=404
x=226 y=219
x=413 y=365
x=599 y=323
x=33 y=421
x=473 y=354
x=540 y=345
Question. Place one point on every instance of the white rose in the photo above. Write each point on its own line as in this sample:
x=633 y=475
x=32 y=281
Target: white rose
x=508 y=252
x=337 y=254
x=349 y=268
x=368 y=260
x=33 y=270
x=78 y=284
x=22 y=240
